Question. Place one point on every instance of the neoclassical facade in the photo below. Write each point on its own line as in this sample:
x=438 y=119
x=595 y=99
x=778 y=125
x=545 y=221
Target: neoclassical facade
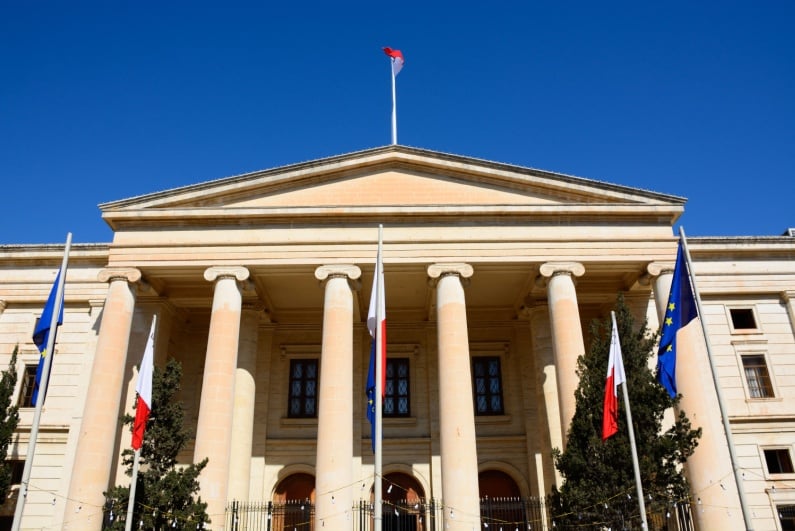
x=261 y=283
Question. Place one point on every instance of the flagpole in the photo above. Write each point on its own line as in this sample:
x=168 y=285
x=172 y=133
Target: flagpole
x=45 y=376
x=394 y=109
x=631 y=431
x=133 y=484
x=718 y=392
x=378 y=486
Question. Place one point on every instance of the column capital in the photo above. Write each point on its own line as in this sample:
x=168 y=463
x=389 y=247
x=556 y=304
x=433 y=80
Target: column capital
x=552 y=269
x=655 y=269
x=349 y=271
x=438 y=270
x=130 y=274
x=240 y=273
x=786 y=297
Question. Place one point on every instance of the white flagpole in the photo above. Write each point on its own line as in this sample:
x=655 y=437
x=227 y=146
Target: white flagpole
x=133 y=484
x=394 y=107
x=631 y=430
x=45 y=376
x=144 y=376
x=724 y=416
x=378 y=487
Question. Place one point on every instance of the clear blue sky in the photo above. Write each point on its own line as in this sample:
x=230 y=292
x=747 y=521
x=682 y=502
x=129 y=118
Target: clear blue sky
x=104 y=101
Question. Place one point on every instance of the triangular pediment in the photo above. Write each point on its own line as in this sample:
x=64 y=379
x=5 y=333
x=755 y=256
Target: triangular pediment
x=395 y=186
x=388 y=181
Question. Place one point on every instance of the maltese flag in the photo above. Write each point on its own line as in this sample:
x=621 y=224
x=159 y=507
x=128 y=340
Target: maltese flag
x=397 y=59
x=615 y=377
x=144 y=389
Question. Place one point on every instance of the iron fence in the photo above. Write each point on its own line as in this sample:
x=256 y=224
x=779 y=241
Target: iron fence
x=496 y=514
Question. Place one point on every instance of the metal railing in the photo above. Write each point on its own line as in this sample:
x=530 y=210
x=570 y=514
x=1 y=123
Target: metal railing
x=506 y=514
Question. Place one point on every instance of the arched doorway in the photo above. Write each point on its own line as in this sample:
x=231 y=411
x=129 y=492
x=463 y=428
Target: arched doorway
x=293 y=503
x=497 y=484
x=500 y=499
x=403 y=503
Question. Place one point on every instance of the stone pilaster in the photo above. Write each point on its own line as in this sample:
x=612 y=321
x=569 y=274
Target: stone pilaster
x=245 y=394
x=547 y=382
x=788 y=298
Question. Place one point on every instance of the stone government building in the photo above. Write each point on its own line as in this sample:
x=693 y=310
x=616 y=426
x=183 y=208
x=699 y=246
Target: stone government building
x=261 y=284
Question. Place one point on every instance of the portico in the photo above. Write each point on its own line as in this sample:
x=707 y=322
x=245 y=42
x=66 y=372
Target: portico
x=492 y=275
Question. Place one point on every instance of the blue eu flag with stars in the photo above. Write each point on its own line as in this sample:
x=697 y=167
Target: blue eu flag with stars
x=40 y=336
x=680 y=311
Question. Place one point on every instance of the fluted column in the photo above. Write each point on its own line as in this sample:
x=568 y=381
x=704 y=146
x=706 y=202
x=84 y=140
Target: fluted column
x=334 y=466
x=245 y=391
x=100 y=424
x=456 y=410
x=567 y=339
x=214 y=427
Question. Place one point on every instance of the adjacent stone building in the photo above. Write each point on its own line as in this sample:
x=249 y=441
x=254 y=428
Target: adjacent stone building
x=261 y=286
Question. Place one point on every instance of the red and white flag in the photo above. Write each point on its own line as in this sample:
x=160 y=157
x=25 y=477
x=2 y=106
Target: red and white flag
x=376 y=315
x=144 y=389
x=615 y=377
x=397 y=59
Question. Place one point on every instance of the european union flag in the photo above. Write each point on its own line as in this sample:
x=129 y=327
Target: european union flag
x=680 y=311
x=370 y=390
x=42 y=333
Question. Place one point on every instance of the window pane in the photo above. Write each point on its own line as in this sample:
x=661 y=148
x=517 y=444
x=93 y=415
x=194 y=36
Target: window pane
x=742 y=318
x=778 y=461
x=757 y=376
x=28 y=382
x=786 y=515
x=487 y=385
x=303 y=388
x=396 y=392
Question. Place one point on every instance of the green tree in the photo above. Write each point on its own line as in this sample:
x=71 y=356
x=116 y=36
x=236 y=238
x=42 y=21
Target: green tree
x=166 y=494
x=598 y=491
x=9 y=418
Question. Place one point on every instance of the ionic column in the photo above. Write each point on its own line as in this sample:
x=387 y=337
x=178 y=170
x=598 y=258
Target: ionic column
x=567 y=340
x=456 y=410
x=216 y=407
x=334 y=466
x=100 y=424
x=662 y=274
x=243 y=419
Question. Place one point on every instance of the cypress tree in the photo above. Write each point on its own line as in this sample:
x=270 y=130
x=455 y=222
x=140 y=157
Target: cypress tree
x=598 y=491
x=166 y=494
x=9 y=418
